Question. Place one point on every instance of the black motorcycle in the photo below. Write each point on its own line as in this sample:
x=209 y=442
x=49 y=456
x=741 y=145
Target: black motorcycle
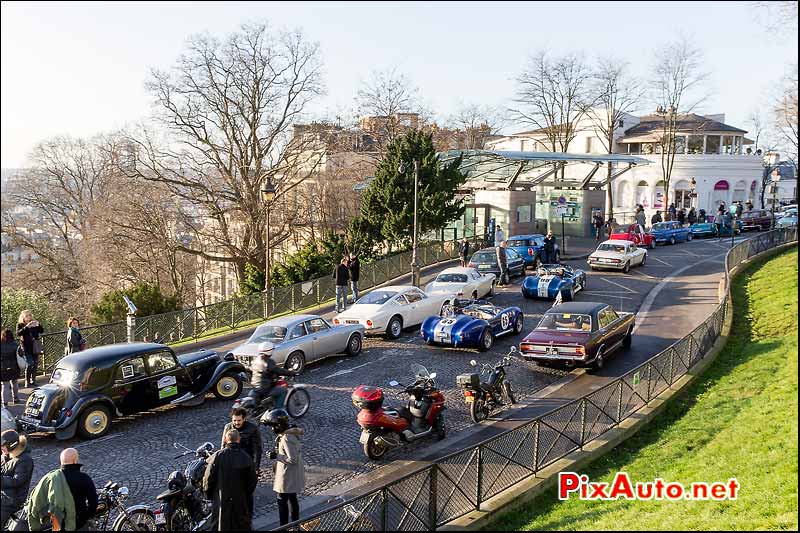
x=110 y=502
x=484 y=397
x=297 y=402
x=184 y=506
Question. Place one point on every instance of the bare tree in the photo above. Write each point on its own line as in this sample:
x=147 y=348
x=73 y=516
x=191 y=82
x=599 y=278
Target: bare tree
x=785 y=114
x=676 y=83
x=553 y=96
x=383 y=96
x=476 y=124
x=779 y=17
x=618 y=93
x=229 y=107
x=756 y=119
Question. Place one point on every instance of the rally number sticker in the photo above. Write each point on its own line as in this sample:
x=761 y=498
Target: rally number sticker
x=505 y=320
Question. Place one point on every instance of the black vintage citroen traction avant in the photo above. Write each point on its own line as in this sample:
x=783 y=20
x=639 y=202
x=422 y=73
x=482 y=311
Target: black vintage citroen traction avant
x=89 y=388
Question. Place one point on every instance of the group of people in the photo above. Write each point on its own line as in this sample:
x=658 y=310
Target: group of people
x=21 y=352
x=347 y=271
x=66 y=497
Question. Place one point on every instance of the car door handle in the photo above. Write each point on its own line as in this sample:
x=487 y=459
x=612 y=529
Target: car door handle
x=316 y=338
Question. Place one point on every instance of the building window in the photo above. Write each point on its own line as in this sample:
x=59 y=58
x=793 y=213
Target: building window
x=522 y=145
x=720 y=193
x=680 y=144
x=588 y=145
x=740 y=192
x=682 y=198
x=648 y=148
x=634 y=148
x=643 y=194
x=659 y=201
x=695 y=144
x=712 y=144
x=625 y=195
x=727 y=144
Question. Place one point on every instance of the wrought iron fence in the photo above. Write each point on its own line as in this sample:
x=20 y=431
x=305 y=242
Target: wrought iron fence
x=189 y=324
x=458 y=483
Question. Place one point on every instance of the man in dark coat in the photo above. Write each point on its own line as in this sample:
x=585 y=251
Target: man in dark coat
x=230 y=481
x=355 y=273
x=249 y=435
x=342 y=275
x=502 y=263
x=81 y=486
x=597 y=221
x=549 y=248
x=16 y=470
x=692 y=216
x=463 y=252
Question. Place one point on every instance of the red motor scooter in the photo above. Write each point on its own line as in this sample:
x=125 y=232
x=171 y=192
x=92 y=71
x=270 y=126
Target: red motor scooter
x=383 y=429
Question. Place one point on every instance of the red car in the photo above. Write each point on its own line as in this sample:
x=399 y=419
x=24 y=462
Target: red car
x=578 y=334
x=757 y=219
x=634 y=234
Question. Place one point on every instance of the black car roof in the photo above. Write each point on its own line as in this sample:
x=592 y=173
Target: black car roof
x=103 y=356
x=579 y=308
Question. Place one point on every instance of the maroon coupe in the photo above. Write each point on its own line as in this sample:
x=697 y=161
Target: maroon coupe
x=578 y=334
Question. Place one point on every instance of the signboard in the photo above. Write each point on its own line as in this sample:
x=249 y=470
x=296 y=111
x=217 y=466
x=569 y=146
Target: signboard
x=562 y=200
x=561 y=210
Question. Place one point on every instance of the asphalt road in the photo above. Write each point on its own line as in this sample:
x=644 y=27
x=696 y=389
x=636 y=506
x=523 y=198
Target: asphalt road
x=138 y=452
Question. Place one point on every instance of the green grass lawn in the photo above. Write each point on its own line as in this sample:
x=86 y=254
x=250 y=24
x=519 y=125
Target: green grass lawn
x=738 y=420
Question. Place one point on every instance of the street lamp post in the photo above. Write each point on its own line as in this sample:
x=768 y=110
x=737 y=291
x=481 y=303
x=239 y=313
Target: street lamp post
x=267 y=196
x=774 y=186
x=414 y=264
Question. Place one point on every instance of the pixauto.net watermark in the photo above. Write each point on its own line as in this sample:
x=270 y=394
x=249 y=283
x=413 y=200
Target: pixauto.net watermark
x=571 y=484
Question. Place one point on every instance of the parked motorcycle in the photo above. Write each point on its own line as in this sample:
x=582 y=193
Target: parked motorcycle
x=110 y=501
x=484 y=397
x=297 y=402
x=383 y=429
x=184 y=507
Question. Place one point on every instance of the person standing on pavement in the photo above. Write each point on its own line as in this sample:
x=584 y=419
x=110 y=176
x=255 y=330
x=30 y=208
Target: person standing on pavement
x=655 y=219
x=692 y=216
x=355 y=272
x=610 y=225
x=342 y=275
x=549 y=248
x=681 y=217
x=75 y=341
x=9 y=367
x=641 y=219
x=29 y=330
x=598 y=226
x=81 y=486
x=673 y=213
x=230 y=481
x=463 y=252
x=290 y=477
x=502 y=262
x=499 y=236
x=16 y=470
x=249 y=435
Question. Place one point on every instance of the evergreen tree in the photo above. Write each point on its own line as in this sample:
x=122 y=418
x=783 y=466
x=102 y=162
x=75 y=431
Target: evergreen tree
x=147 y=297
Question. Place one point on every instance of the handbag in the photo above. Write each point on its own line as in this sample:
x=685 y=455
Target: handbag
x=22 y=363
x=37 y=346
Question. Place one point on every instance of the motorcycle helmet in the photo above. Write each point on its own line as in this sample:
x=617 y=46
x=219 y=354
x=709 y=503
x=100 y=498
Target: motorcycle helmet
x=278 y=419
x=176 y=480
x=10 y=439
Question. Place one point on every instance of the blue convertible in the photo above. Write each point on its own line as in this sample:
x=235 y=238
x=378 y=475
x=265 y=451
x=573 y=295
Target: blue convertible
x=670 y=232
x=473 y=323
x=550 y=280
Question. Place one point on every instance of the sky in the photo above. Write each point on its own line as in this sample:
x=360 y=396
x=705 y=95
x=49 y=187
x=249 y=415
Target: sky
x=79 y=69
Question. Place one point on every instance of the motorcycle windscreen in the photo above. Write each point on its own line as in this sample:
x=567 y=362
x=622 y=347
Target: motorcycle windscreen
x=419 y=371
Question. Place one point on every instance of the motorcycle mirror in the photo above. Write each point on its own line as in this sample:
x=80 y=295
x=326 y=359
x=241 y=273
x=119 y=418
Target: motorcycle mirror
x=433 y=376
x=123 y=492
x=473 y=363
x=513 y=349
x=394 y=383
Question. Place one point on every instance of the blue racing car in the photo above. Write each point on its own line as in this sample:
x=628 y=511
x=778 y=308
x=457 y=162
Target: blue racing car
x=550 y=280
x=472 y=323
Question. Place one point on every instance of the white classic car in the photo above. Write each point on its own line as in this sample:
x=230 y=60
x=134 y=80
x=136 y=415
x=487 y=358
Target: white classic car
x=464 y=282
x=390 y=309
x=617 y=255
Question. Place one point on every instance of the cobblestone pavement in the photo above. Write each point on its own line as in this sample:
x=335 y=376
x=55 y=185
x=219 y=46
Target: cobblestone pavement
x=139 y=453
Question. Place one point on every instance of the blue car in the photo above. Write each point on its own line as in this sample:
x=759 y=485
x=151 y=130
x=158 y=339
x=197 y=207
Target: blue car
x=550 y=280
x=530 y=247
x=471 y=323
x=709 y=229
x=670 y=232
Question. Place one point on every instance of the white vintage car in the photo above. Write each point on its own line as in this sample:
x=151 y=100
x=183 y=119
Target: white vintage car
x=390 y=309
x=464 y=282
x=617 y=255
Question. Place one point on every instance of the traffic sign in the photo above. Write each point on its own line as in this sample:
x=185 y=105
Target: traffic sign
x=561 y=210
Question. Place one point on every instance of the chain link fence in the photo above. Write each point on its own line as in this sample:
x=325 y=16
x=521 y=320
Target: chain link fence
x=458 y=483
x=227 y=315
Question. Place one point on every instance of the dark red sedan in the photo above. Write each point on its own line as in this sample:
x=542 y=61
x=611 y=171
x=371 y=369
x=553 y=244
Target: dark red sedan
x=757 y=219
x=578 y=334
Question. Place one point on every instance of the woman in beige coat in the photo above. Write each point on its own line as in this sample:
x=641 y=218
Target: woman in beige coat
x=290 y=477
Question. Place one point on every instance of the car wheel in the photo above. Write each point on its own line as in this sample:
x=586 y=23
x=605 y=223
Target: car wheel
x=395 y=327
x=487 y=340
x=628 y=340
x=354 y=344
x=518 y=325
x=228 y=387
x=296 y=362
x=474 y=295
x=653 y=244
x=672 y=239
x=627 y=267
x=298 y=402
x=689 y=237
x=598 y=362
x=491 y=288
x=644 y=259
x=95 y=421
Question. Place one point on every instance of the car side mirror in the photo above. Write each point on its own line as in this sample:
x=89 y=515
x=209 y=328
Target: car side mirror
x=394 y=383
x=473 y=363
x=433 y=376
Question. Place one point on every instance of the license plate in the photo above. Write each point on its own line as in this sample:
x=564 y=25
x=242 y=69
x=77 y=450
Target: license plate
x=443 y=336
x=160 y=517
x=351 y=321
x=31 y=411
x=484 y=267
x=469 y=399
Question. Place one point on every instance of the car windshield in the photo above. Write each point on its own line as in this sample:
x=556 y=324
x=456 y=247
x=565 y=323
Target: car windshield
x=621 y=230
x=267 y=333
x=519 y=242
x=608 y=247
x=566 y=322
x=419 y=371
x=484 y=257
x=63 y=376
x=377 y=297
x=451 y=278
x=661 y=226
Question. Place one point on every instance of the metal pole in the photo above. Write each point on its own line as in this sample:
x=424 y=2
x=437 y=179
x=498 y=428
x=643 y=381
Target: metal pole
x=266 y=271
x=131 y=327
x=414 y=264
x=563 y=236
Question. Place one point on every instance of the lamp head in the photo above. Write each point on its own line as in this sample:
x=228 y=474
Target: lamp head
x=401 y=168
x=267 y=192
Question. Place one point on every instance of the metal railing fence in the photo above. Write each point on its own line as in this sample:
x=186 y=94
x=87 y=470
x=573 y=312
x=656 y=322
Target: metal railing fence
x=190 y=324
x=459 y=483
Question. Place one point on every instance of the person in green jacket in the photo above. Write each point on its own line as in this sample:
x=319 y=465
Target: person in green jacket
x=51 y=496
